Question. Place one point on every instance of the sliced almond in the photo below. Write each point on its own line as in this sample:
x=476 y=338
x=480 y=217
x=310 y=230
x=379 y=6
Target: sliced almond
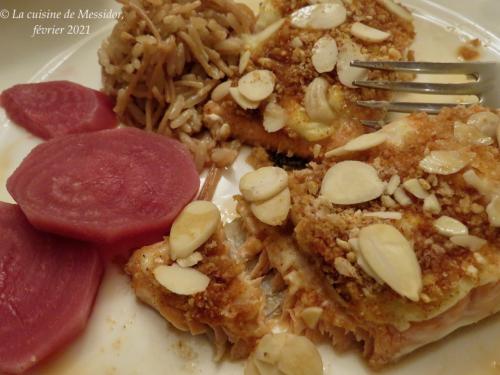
x=345 y=268
x=324 y=54
x=396 y=9
x=368 y=34
x=486 y=122
x=316 y=103
x=481 y=184
x=413 y=187
x=274 y=118
x=179 y=280
x=445 y=162
x=273 y=211
x=268 y=14
x=390 y=215
x=263 y=183
x=468 y=241
x=493 y=211
x=393 y=184
x=361 y=143
x=314 y=131
x=221 y=91
x=319 y=16
x=401 y=197
x=351 y=182
x=192 y=228
x=397 y=131
x=300 y=356
x=191 y=260
x=257 y=85
x=242 y=101
x=270 y=347
x=254 y=41
x=449 y=227
x=390 y=255
x=470 y=134
x=311 y=316
x=347 y=74
x=432 y=205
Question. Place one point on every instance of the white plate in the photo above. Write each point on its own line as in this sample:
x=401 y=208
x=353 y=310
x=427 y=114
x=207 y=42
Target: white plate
x=125 y=337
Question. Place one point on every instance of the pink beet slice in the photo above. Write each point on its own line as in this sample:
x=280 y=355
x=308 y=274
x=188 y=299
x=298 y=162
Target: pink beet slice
x=47 y=289
x=107 y=187
x=57 y=108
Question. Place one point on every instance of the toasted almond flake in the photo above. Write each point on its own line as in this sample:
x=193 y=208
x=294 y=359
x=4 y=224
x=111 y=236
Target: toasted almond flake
x=449 y=227
x=402 y=198
x=254 y=41
x=316 y=103
x=263 y=183
x=300 y=356
x=486 y=122
x=343 y=244
x=274 y=117
x=391 y=257
x=368 y=34
x=191 y=260
x=361 y=143
x=445 y=162
x=390 y=215
x=432 y=205
x=468 y=241
x=470 y=134
x=388 y=202
x=221 y=91
x=179 y=280
x=324 y=54
x=413 y=187
x=345 y=268
x=242 y=101
x=270 y=347
x=351 y=182
x=311 y=316
x=347 y=74
x=257 y=85
x=482 y=185
x=273 y=211
x=393 y=184
x=319 y=16
x=397 y=131
x=396 y=9
x=192 y=228
x=493 y=211
x=244 y=60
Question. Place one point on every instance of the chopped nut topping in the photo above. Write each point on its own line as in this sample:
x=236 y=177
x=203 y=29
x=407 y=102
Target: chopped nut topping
x=263 y=183
x=351 y=182
x=324 y=54
x=274 y=117
x=191 y=260
x=445 y=162
x=345 y=268
x=368 y=34
x=348 y=52
x=179 y=280
x=493 y=211
x=468 y=241
x=391 y=257
x=388 y=202
x=273 y=211
x=192 y=228
x=311 y=316
x=393 y=184
x=449 y=227
x=257 y=85
x=431 y=204
x=402 y=198
x=319 y=16
x=413 y=186
x=391 y=215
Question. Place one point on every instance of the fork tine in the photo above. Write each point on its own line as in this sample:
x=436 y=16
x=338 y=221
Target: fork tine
x=375 y=124
x=424 y=67
x=470 y=88
x=407 y=107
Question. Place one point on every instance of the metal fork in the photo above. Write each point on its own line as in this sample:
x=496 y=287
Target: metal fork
x=485 y=85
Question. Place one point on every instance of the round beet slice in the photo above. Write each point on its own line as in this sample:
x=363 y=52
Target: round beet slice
x=57 y=108
x=47 y=289
x=106 y=187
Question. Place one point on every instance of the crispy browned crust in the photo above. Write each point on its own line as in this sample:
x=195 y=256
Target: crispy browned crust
x=294 y=71
x=230 y=309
